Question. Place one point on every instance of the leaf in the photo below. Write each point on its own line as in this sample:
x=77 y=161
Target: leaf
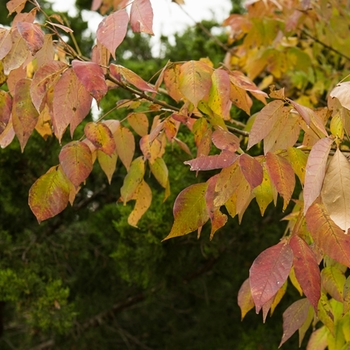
x=112 y=30
x=15 y=6
x=218 y=161
x=298 y=159
x=151 y=149
x=76 y=161
x=92 y=77
x=71 y=103
x=141 y=16
x=265 y=192
x=265 y=121
x=44 y=78
x=125 y=145
x=335 y=191
x=190 y=210
x=17 y=54
x=24 y=114
x=172 y=81
x=32 y=34
x=346 y=296
x=315 y=171
x=341 y=92
x=240 y=98
x=5 y=109
x=160 y=171
x=219 y=94
x=123 y=75
x=225 y=140
x=274 y=301
x=268 y=273
x=245 y=300
x=294 y=317
x=306 y=270
x=108 y=163
x=325 y=313
x=183 y=146
x=7 y=134
x=195 y=81
x=139 y=122
x=251 y=170
x=327 y=235
x=5 y=42
x=143 y=197
x=133 y=179
x=49 y=195
x=101 y=137
x=218 y=220
x=333 y=281
x=318 y=339
x=306 y=325
x=282 y=176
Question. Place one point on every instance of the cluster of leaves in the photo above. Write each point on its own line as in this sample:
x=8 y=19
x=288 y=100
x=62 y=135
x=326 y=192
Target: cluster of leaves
x=49 y=86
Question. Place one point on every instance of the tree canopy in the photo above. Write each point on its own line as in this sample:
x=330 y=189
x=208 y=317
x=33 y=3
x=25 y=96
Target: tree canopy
x=270 y=123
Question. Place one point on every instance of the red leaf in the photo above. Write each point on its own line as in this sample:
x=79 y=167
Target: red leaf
x=49 y=195
x=76 y=161
x=32 y=34
x=327 y=235
x=141 y=16
x=24 y=114
x=251 y=169
x=45 y=77
x=294 y=317
x=315 y=171
x=71 y=103
x=225 y=140
x=112 y=30
x=282 y=176
x=101 y=137
x=268 y=273
x=91 y=76
x=195 y=80
x=306 y=270
x=218 y=161
x=190 y=210
x=123 y=75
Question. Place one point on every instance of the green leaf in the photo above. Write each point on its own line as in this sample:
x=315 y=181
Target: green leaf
x=190 y=210
x=49 y=195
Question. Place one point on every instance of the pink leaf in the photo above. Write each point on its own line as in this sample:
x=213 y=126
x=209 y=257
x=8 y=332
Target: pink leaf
x=225 y=140
x=251 y=169
x=218 y=161
x=268 y=273
x=91 y=76
x=141 y=16
x=112 y=30
x=315 y=171
x=32 y=34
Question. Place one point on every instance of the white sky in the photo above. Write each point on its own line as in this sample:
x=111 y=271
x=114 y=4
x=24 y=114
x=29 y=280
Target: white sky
x=168 y=16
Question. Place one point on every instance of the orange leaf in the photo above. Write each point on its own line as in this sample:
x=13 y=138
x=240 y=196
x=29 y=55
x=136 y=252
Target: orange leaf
x=5 y=109
x=108 y=163
x=172 y=81
x=327 y=235
x=195 y=81
x=240 y=98
x=141 y=16
x=24 y=114
x=76 y=161
x=49 y=195
x=282 y=176
x=225 y=140
x=125 y=145
x=101 y=137
x=112 y=30
x=143 y=197
x=139 y=122
x=245 y=300
x=251 y=169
